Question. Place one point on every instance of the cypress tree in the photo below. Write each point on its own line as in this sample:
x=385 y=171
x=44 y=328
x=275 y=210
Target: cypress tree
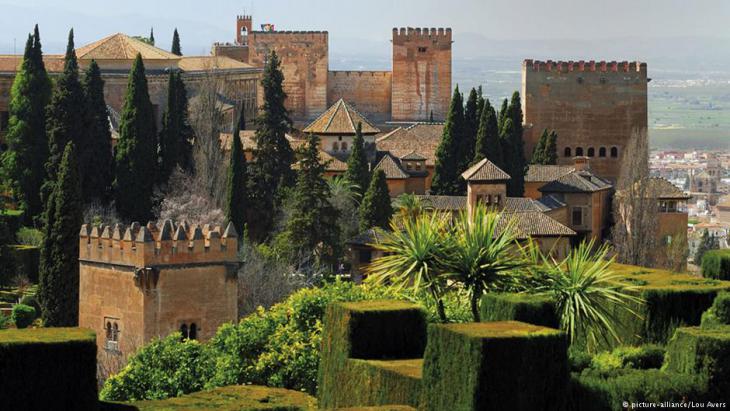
x=505 y=135
x=551 y=150
x=136 y=151
x=358 y=171
x=488 y=143
x=236 y=195
x=480 y=103
x=273 y=154
x=538 y=153
x=503 y=111
x=176 y=134
x=707 y=243
x=176 y=50
x=67 y=119
x=24 y=161
x=95 y=167
x=471 y=126
x=516 y=161
x=59 y=276
x=448 y=154
x=313 y=225
x=375 y=209
x=152 y=36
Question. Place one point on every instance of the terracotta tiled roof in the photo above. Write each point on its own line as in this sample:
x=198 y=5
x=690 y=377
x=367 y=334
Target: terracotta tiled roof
x=11 y=63
x=203 y=63
x=423 y=139
x=444 y=203
x=484 y=170
x=340 y=118
x=120 y=46
x=547 y=203
x=576 y=182
x=333 y=163
x=390 y=166
x=663 y=189
x=413 y=156
x=546 y=173
x=536 y=224
x=520 y=204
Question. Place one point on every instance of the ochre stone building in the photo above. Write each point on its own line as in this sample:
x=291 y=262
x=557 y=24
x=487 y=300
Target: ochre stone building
x=594 y=106
x=139 y=283
x=417 y=87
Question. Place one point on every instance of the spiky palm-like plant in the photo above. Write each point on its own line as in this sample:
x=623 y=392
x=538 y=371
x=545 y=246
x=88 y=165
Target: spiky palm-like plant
x=410 y=206
x=415 y=257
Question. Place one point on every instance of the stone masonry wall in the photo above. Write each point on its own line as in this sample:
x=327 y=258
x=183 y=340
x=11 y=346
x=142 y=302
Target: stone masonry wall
x=369 y=92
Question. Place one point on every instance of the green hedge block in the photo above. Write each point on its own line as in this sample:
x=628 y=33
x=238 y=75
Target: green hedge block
x=370 y=330
x=703 y=352
x=379 y=408
x=48 y=369
x=27 y=260
x=527 y=308
x=719 y=313
x=716 y=264
x=494 y=366
x=642 y=357
x=236 y=397
x=594 y=391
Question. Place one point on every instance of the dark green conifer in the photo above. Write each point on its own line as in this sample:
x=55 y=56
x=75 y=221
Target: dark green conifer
x=236 y=195
x=176 y=134
x=152 y=36
x=538 y=153
x=516 y=160
x=503 y=112
x=358 y=171
x=376 y=209
x=471 y=126
x=446 y=177
x=480 y=105
x=488 y=143
x=136 y=152
x=59 y=276
x=96 y=166
x=176 y=50
x=551 y=150
x=24 y=161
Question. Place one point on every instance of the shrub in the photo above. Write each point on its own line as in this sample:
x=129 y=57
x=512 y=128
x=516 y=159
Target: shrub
x=4 y=322
x=716 y=264
x=29 y=236
x=579 y=360
x=23 y=315
x=643 y=357
x=166 y=367
x=32 y=301
x=703 y=352
x=719 y=313
x=529 y=308
x=48 y=369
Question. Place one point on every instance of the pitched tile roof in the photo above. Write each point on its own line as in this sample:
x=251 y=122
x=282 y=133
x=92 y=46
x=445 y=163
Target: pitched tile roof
x=120 y=46
x=536 y=224
x=666 y=190
x=519 y=204
x=340 y=118
x=545 y=173
x=390 y=166
x=203 y=63
x=444 y=203
x=484 y=170
x=10 y=63
x=576 y=182
x=421 y=138
x=548 y=202
x=413 y=156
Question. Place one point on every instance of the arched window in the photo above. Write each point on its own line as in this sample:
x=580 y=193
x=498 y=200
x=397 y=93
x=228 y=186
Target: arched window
x=193 y=332
x=184 y=331
x=591 y=152
x=614 y=152
x=568 y=152
x=109 y=335
x=335 y=146
x=602 y=152
x=344 y=146
x=115 y=332
x=578 y=151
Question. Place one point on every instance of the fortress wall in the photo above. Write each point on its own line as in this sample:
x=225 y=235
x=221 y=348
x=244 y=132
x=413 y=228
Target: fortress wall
x=368 y=91
x=591 y=104
x=305 y=64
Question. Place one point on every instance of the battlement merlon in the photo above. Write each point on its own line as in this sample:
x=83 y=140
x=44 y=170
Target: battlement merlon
x=244 y=17
x=410 y=34
x=167 y=245
x=582 y=66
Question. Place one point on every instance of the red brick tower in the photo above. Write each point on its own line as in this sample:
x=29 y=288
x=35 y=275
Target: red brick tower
x=244 y=26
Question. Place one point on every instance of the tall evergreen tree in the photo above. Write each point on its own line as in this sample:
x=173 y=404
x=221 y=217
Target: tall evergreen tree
x=446 y=176
x=551 y=150
x=538 y=153
x=273 y=154
x=152 y=36
x=376 y=208
x=480 y=104
x=59 y=276
x=471 y=127
x=95 y=159
x=488 y=143
x=176 y=134
x=707 y=243
x=176 y=50
x=136 y=151
x=516 y=161
x=358 y=171
x=67 y=119
x=313 y=226
x=505 y=136
x=24 y=161
x=236 y=195
x=503 y=112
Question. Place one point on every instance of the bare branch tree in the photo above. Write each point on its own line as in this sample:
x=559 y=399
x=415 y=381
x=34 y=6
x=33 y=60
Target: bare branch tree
x=187 y=198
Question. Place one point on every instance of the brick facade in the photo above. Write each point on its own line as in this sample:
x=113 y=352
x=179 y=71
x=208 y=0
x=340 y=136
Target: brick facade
x=367 y=91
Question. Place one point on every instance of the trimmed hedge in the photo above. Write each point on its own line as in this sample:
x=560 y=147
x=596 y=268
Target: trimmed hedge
x=48 y=369
x=716 y=264
x=236 y=397
x=357 y=340
x=528 y=308
x=493 y=366
x=27 y=260
x=596 y=391
x=719 y=313
x=643 y=357
x=379 y=408
x=23 y=315
x=703 y=352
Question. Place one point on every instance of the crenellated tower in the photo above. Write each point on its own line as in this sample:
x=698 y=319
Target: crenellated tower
x=244 y=26
x=141 y=282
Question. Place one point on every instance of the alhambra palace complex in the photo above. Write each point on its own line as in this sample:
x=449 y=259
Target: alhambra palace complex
x=139 y=282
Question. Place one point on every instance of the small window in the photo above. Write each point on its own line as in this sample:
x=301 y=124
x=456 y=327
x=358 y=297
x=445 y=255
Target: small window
x=193 y=334
x=409 y=166
x=591 y=152
x=602 y=152
x=496 y=199
x=109 y=331
x=577 y=216
x=579 y=151
x=418 y=166
x=184 y=331
x=366 y=256
x=567 y=152
x=422 y=49
x=335 y=146
x=344 y=146
x=614 y=152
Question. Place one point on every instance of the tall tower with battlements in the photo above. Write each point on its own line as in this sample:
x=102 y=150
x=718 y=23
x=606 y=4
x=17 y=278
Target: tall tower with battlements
x=142 y=282
x=421 y=73
x=594 y=106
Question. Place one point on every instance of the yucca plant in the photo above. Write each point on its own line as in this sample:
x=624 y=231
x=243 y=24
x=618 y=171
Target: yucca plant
x=415 y=252
x=588 y=294
x=483 y=253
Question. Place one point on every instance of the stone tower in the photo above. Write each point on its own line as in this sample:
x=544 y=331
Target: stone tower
x=138 y=283
x=594 y=106
x=244 y=26
x=421 y=73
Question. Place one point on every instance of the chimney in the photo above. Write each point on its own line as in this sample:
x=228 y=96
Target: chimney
x=581 y=163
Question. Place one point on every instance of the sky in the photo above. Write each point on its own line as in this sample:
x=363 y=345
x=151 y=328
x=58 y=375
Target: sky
x=358 y=24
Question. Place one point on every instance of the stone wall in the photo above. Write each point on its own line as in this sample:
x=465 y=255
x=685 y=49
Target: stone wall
x=421 y=73
x=589 y=104
x=369 y=92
